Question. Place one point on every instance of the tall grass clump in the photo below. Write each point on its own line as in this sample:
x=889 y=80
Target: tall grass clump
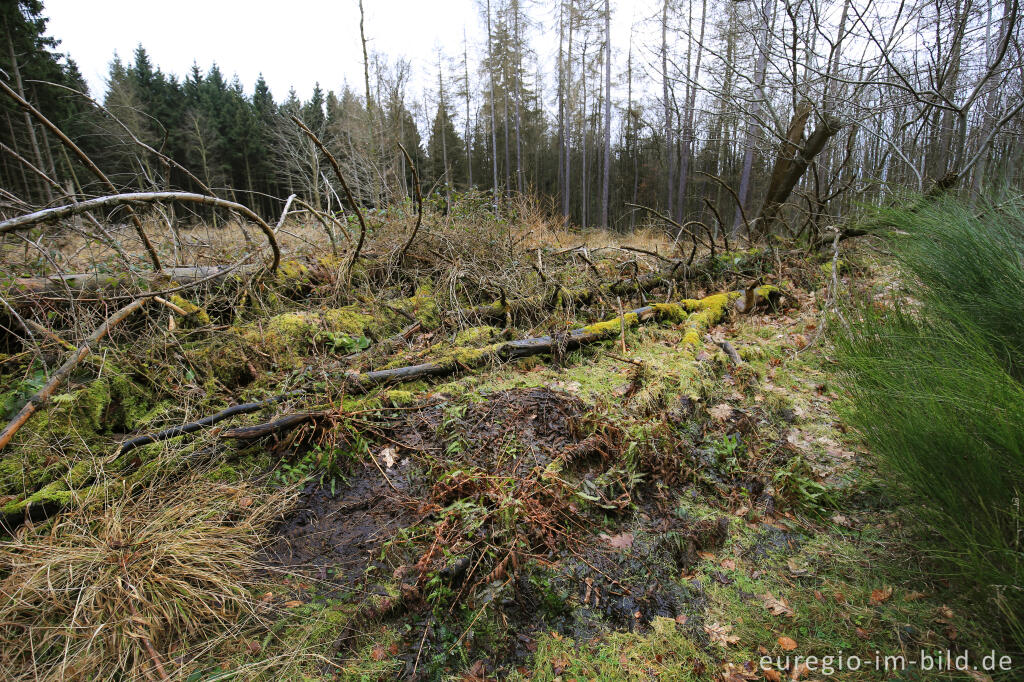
x=145 y=585
x=934 y=382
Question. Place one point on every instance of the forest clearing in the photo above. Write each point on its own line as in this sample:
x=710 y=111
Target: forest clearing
x=330 y=409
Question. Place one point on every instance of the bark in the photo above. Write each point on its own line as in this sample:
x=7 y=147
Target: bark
x=791 y=172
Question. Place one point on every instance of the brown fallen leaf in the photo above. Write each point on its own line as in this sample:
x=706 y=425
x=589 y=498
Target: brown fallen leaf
x=795 y=568
x=721 y=412
x=799 y=671
x=881 y=595
x=721 y=634
x=787 y=643
x=776 y=606
x=620 y=541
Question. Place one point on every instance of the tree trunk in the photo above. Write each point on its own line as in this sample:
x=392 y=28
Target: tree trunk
x=606 y=179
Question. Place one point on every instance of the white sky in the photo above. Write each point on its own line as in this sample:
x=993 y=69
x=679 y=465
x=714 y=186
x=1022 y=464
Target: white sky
x=296 y=43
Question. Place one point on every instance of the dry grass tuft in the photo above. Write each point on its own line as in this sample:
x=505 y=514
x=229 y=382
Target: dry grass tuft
x=142 y=587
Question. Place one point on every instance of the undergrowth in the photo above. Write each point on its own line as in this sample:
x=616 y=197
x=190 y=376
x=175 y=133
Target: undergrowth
x=932 y=372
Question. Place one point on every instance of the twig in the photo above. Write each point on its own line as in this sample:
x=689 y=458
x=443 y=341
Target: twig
x=735 y=196
x=284 y=213
x=177 y=309
x=419 y=204
x=622 y=324
x=730 y=351
x=36 y=401
x=344 y=185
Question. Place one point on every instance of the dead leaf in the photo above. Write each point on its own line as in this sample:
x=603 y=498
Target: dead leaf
x=787 y=643
x=720 y=634
x=795 y=568
x=772 y=675
x=882 y=595
x=775 y=606
x=721 y=412
x=378 y=653
x=387 y=456
x=799 y=671
x=620 y=541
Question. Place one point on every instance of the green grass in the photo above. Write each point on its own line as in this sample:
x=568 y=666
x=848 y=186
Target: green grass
x=932 y=381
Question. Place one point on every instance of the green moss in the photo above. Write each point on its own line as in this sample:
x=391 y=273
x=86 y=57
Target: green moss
x=292 y=272
x=349 y=321
x=194 y=315
x=612 y=326
x=399 y=398
x=667 y=652
x=422 y=306
x=671 y=312
x=469 y=357
x=476 y=336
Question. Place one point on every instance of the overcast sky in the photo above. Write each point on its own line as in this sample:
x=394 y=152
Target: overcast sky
x=298 y=42
x=294 y=43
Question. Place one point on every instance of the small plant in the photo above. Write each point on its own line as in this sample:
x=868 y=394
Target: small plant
x=337 y=342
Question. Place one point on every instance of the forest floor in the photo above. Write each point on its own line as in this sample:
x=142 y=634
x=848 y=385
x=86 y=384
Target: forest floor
x=642 y=507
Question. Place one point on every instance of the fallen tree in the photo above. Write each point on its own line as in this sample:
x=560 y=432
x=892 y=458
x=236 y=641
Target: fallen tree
x=23 y=222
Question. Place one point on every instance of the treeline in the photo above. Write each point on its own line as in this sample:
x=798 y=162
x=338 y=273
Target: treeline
x=794 y=110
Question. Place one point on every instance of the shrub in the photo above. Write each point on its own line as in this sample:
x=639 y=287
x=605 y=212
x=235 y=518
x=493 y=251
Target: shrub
x=933 y=383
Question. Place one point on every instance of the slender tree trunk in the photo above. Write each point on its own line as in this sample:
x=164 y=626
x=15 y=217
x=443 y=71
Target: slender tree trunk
x=494 y=131
x=469 y=139
x=753 y=124
x=33 y=141
x=561 y=106
x=691 y=105
x=605 y=181
x=669 y=142
x=518 y=95
x=369 y=98
x=568 y=120
x=583 y=146
x=631 y=134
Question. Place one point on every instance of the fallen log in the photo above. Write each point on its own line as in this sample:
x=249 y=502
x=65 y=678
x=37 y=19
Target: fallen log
x=697 y=316
x=192 y=427
x=102 y=282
